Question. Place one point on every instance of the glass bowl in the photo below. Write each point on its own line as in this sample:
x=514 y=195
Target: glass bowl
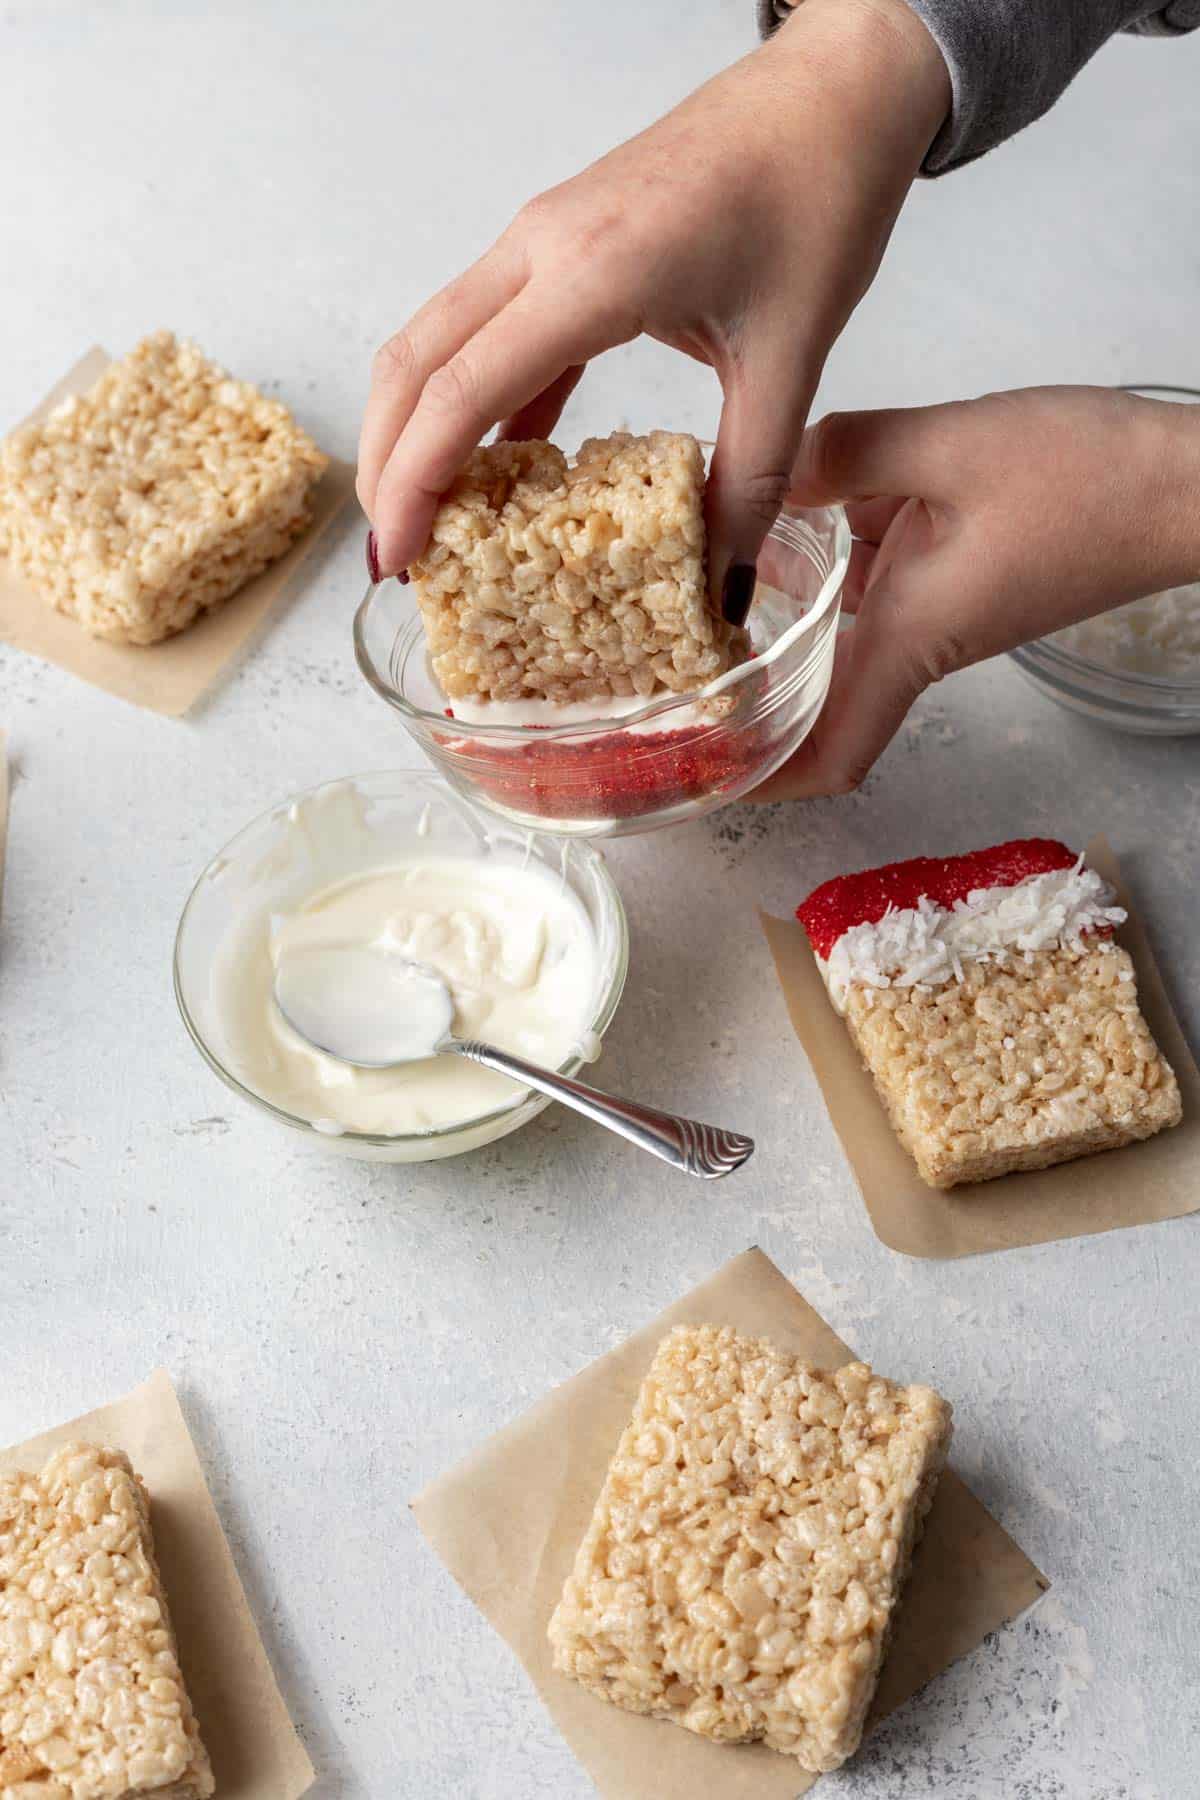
x=269 y=864
x=1151 y=705
x=675 y=757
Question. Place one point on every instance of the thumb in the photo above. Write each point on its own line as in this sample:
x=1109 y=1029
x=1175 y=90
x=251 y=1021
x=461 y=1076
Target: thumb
x=859 y=455
x=881 y=665
x=762 y=423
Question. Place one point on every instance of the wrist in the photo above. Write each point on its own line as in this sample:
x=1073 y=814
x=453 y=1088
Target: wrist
x=1168 y=439
x=885 y=63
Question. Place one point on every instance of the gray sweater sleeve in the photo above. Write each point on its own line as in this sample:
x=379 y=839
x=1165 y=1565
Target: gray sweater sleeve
x=1009 y=60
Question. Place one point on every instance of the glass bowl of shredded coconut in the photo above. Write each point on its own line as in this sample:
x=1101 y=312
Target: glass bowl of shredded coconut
x=1137 y=667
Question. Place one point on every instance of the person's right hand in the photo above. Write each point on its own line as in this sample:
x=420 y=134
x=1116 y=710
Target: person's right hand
x=979 y=526
x=742 y=229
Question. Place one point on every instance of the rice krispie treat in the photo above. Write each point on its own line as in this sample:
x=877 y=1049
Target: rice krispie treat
x=743 y=1565
x=991 y=1006
x=156 y=495
x=92 y=1703
x=573 y=581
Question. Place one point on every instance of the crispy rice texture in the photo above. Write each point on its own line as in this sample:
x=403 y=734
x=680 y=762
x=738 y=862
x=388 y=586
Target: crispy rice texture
x=155 y=496
x=741 y=1572
x=574 y=581
x=1019 y=1065
x=92 y=1701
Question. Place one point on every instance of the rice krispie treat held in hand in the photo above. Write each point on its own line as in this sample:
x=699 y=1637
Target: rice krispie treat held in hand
x=573 y=581
x=92 y=1701
x=156 y=495
x=743 y=1565
x=993 y=1010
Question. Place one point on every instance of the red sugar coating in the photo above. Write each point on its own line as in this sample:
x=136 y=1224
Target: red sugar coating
x=624 y=776
x=861 y=899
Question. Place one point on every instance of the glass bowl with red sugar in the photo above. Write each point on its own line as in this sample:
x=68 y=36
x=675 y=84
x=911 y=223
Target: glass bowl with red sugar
x=663 y=760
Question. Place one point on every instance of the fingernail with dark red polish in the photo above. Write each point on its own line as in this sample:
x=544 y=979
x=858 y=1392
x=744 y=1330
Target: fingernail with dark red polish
x=402 y=577
x=373 y=558
x=738 y=592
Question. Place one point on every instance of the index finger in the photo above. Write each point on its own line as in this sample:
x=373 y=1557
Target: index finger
x=500 y=370
x=405 y=362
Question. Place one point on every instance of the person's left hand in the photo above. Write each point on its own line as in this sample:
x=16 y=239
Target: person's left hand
x=742 y=229
x=979 y=526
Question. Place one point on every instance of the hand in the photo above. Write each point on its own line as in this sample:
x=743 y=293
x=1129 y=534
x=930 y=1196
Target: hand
x=979 y=526
x=742 y=229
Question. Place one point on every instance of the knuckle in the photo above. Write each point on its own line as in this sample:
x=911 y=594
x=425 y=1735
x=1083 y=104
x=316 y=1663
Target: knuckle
x=624 y=253
x=558 y=223
x=763 y=495
x=395 y=362
x=941 y=653
x=589 y=248
x=452 y=390
x=849 y=777
x=826 y=448
x=837 y=767
x=538 y=216
x=595 y=236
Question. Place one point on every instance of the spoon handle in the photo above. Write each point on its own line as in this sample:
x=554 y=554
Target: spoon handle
x=704 y=1150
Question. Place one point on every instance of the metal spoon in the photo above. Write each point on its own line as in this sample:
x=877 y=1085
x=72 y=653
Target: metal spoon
x=375 y=1009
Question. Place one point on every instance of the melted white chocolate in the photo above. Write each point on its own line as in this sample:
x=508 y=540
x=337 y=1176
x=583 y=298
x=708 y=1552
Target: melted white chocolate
x=510 y=939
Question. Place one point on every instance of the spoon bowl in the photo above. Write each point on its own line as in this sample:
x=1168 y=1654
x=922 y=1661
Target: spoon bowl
x=364 y=1004
x=370 y=1007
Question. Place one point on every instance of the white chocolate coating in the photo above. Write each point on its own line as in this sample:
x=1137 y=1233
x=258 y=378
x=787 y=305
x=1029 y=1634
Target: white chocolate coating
x=509 y=938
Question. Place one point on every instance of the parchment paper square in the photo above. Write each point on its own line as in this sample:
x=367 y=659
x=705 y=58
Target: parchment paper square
x=1139 y=1185
x=255 y=1752
x=507 y=1522
x=169 y=677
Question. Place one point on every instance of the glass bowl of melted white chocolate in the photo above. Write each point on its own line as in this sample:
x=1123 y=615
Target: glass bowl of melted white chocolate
x=528 y=932
x=1136 y=668
x=613 y=767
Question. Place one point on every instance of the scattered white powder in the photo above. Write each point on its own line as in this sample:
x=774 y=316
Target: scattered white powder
x=928 y=944
x=1110 y=1427
x=1076 y=1665
x=1159 y=635
x=1048 y=1499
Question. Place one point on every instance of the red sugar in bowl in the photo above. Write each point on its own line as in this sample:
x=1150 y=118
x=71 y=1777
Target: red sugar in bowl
x=623 y=776
x=676 y=758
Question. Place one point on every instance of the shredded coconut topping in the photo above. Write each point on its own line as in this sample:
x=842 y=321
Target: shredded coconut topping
x=1159 y=635
x=926 y=945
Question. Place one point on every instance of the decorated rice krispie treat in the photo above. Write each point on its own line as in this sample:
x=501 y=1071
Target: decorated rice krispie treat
x=155 y=496
x=992 y=1007
x=573 y=581
x=742 y=1568
x=92 y=1702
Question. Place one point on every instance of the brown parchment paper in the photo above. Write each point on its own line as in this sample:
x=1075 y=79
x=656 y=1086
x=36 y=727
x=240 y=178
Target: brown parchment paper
x=507 y=1522
x=1139 y=1185
x=255 y=1752
x=169 y=677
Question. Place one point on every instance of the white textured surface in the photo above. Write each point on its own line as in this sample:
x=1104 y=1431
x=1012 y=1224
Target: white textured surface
x=286 y=182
